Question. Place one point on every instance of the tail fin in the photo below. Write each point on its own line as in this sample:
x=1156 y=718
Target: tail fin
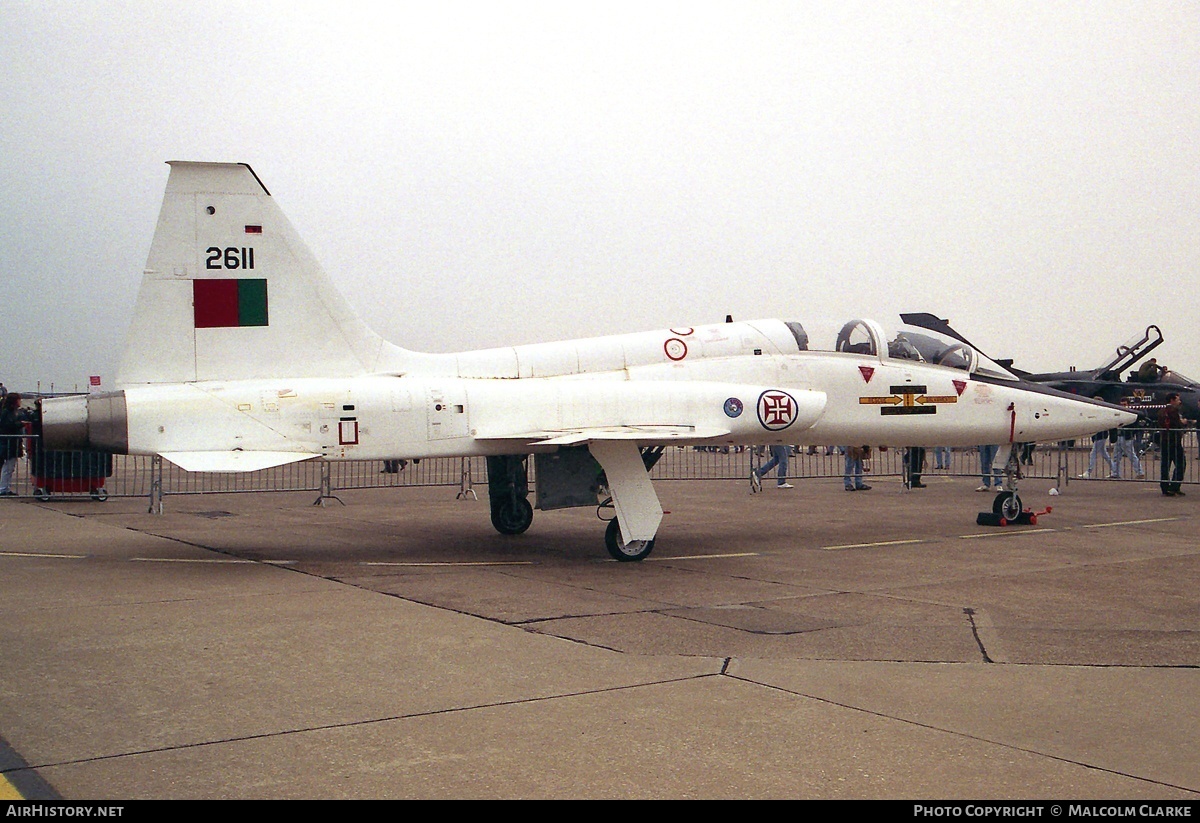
x=231 y=292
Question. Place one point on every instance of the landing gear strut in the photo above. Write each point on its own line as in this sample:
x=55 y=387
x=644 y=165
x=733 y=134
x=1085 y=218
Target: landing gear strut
x=1007 y=504
x=630 y=535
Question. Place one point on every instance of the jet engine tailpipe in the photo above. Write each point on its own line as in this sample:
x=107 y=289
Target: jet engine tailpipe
x=97 y=421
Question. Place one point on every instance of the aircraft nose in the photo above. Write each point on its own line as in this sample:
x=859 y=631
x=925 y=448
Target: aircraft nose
x=1057 y=415
x=1111 y=415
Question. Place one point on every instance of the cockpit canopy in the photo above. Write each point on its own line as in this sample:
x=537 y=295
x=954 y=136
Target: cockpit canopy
x=866 y=337
x=941 y=350
x=799 y=333
x=860 y=337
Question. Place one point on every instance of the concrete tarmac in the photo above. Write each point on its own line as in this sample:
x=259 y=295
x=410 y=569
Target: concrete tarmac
x=803 y=643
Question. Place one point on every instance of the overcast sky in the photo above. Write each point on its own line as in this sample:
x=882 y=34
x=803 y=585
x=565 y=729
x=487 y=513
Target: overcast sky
x=492 y=173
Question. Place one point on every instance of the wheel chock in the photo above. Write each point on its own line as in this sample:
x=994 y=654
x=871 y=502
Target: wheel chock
x=1026 y=518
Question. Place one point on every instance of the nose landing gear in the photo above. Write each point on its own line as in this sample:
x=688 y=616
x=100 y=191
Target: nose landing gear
x=1007 y=508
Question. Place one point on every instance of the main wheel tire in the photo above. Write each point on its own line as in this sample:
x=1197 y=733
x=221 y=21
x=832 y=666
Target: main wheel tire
x=41 y=494
x=512 y=516
x=637 y=550
x=1007 y=505
x=100 y=494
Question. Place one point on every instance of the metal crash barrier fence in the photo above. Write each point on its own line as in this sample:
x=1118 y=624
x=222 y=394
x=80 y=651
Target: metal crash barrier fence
x=47 y=475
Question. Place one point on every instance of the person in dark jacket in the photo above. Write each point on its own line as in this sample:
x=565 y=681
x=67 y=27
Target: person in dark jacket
x=12 y=426
x=914 y=463
x=1172 y=424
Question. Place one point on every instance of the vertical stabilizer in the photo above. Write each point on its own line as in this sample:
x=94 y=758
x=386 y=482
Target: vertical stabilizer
x=231 y=292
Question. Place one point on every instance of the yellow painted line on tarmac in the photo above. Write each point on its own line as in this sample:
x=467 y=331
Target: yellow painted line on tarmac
x=40 y=554
x=872 y=545
x=453 y=563
x=701 y=556
x=1131 y=522
x=1003 y=533
x=8 y=791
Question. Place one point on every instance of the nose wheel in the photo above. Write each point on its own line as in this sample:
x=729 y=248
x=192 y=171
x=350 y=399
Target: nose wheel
x=1007 y=506
x=625 y=552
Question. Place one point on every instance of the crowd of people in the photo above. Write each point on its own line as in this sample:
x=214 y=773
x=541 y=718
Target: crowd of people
x=857 y=459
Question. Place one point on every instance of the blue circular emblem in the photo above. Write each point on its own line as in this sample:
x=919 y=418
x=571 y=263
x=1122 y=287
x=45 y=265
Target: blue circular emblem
x=733 y=407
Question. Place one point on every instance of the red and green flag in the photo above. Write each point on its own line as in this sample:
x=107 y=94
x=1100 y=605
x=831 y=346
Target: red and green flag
x=230 y=303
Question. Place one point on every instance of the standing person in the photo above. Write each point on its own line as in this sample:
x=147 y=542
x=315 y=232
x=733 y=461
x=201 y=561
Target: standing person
x=779 y=457
x=1172 y=424
x=854 y=468
x=914 y=463
x=1100 y=447
x=1027 y=453
x=1125 y=445
x=987 y=456
x=12 y=425
x=941 y=457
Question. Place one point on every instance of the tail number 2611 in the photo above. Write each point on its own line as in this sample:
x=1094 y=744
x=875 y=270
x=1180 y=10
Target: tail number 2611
x=229 y=258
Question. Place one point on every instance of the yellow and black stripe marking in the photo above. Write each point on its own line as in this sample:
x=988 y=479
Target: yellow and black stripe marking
x=908 y=399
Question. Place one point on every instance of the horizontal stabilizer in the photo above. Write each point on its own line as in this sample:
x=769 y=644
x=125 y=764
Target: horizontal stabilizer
x=234 y=461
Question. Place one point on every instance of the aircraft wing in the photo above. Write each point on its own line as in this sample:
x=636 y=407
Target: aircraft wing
x=234 y=461
x=585 y=435
x=651 y=412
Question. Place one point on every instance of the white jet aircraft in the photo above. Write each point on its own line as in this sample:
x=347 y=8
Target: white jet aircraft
x=242 y=356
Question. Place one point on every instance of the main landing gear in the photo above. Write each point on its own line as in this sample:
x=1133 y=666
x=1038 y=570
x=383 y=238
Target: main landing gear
x=512 y=517
x=630 y=533
x=625 y=552
x=508 y=493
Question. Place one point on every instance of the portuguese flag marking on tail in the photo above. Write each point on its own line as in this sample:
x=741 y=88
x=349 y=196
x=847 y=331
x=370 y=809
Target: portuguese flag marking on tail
x=223 y=304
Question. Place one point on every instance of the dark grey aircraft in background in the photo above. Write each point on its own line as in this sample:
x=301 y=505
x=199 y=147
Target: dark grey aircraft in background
x=1142 y=390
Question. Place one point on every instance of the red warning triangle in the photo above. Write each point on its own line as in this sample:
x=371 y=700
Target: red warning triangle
x=869 y=371
x=960 y=386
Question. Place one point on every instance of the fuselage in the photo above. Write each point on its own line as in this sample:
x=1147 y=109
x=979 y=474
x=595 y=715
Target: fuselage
x=696 y=385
